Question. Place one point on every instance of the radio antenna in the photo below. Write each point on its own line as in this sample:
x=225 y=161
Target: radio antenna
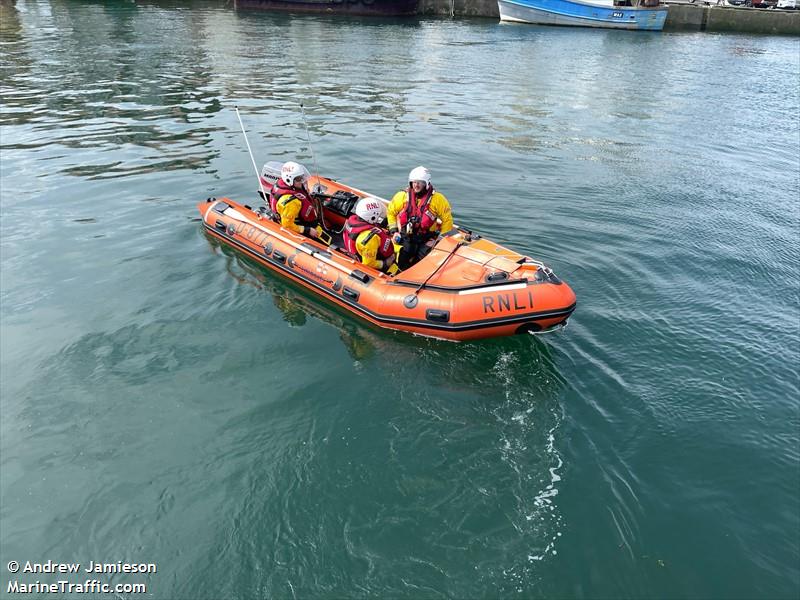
x=310 y=147
x=255 y=168
x=316 y=170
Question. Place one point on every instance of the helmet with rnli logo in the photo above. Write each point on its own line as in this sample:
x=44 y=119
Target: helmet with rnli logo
x=371 y=210
x=292 y=170
x=420 y=174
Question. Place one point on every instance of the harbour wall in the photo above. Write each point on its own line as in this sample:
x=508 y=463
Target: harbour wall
x=686 y=17
x=731 y=18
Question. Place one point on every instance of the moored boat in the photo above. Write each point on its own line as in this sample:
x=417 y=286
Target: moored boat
x=342 y=7
x=466 y=288
x=612 y=14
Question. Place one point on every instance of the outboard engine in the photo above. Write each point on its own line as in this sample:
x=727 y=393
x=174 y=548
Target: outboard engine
x=270 y=173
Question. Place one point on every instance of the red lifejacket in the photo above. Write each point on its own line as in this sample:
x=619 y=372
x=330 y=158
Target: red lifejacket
x=416 y=211
x=355 y=226
x=308 y=213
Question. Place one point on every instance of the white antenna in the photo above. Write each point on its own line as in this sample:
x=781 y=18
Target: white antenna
x=308 y=137
x=255 y=168
x=317 y=185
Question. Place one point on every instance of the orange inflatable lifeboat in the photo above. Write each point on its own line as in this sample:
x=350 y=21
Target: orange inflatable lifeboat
x=467 y=288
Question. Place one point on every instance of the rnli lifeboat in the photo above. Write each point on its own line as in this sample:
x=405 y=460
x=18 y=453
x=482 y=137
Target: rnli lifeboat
x=466 y=288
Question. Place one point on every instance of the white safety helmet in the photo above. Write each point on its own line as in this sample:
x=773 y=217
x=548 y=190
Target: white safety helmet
x=420 y=174
x=292 y=170
x=371 y=210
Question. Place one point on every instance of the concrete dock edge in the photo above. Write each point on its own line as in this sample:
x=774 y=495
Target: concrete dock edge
x=681 y=17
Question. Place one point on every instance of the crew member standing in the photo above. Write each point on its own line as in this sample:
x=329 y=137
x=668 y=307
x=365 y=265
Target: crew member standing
x=416 y=217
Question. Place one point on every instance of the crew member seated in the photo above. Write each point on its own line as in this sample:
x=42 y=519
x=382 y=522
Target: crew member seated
x=291 y=200
x=365 y=239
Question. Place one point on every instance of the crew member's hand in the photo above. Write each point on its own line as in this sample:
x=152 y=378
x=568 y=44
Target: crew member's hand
x=312 y=232
x=431 y=243
x=388 y=261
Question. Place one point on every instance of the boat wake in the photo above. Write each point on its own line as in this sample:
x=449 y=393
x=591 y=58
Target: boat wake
x=530 y=425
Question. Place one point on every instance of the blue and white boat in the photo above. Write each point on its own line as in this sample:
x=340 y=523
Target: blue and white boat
x=614 y=14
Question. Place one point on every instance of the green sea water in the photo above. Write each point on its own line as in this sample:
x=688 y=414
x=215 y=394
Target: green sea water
x=165 y=400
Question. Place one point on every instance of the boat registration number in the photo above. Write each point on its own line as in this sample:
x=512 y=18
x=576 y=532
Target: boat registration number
x=617 y=15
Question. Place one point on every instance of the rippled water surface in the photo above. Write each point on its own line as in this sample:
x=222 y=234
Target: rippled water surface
x=165 y=400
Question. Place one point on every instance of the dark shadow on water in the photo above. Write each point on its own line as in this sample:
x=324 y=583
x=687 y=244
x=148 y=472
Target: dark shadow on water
x=296 y=306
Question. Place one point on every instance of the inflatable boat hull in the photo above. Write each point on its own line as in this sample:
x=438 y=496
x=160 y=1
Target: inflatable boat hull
x=475 y=289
